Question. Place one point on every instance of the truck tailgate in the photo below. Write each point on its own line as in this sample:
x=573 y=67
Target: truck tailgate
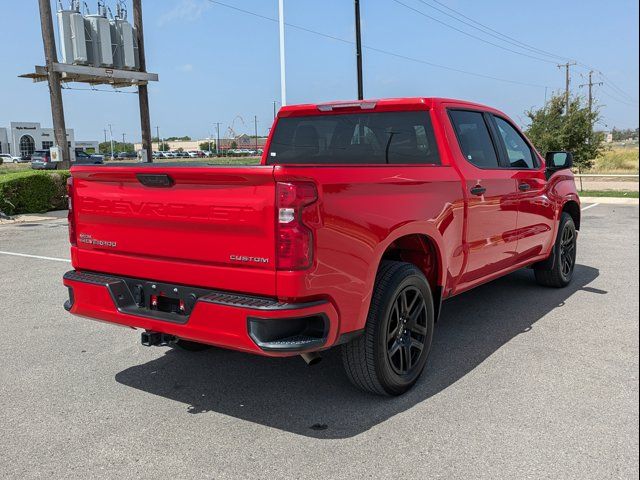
x=204 y=226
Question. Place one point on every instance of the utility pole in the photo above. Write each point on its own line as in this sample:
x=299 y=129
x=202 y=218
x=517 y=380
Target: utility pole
x=275 y=109
x=359 y=52
x=105 y=135
x=55 y=84
x=590 y=84
x=143 y=92
x=111 y=137
x=218 y=136
x=255 y=123
x=123 y=142
x=158 y=135
x=567 y=66
x=283 y=70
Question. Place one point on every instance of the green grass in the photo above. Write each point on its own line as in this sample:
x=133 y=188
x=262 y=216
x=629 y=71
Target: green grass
x=7 y=168
x=609 y=193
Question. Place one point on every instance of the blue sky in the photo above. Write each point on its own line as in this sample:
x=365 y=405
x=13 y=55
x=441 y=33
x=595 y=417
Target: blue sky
x=217 y=64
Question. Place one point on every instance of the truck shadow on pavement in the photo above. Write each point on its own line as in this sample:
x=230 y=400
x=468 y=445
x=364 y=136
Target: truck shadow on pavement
x=319 y=401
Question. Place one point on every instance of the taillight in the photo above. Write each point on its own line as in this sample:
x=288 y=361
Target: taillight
x=70 y=216
x=294 y=203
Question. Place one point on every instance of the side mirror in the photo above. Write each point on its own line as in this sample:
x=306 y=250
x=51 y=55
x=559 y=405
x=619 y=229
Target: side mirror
x=558 y=161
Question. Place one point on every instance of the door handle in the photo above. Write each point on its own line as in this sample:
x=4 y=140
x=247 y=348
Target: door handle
x=478 y=190
x=524 y=187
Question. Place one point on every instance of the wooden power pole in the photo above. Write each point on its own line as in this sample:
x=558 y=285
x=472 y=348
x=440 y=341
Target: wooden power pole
x=359 y=52
x=591 y=84
x=567 y=66
x=55 y=83
x=143 y=92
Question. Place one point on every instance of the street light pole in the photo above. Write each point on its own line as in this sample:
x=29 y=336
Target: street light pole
x=111 y=137
x=283 y=76
x=255 y=121
x=218 y=141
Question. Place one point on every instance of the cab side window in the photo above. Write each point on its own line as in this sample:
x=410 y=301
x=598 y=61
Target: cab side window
x=474 y=138
x=518 y=151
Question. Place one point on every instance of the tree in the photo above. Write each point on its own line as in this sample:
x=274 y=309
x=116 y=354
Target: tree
x=105 y=147
x=208 y=146
x=186 y=138
x=552 y=130
x=164 y=147
x=626 y=134
x=234 y=145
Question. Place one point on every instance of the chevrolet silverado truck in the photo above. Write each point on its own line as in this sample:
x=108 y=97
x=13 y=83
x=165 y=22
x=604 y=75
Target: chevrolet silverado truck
x=361 y=219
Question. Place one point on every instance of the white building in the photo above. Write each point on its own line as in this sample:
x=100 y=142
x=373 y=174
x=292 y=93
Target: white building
x=23 y=138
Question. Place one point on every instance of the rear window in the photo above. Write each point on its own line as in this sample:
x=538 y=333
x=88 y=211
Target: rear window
x=362 y=138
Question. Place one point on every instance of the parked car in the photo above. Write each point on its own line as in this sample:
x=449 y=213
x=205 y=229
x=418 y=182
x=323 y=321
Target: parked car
x=362 y=219
x=83 y=158
x=5 y=158
x=41 y=160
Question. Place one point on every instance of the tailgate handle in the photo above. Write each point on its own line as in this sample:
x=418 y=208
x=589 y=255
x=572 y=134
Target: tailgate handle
x=155 y=180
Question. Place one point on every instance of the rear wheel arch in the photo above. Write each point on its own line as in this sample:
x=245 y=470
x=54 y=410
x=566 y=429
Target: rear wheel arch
x=572 y=208
x=424 y=252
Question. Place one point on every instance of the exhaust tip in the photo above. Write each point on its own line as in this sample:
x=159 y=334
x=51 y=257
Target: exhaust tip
x=311 y=358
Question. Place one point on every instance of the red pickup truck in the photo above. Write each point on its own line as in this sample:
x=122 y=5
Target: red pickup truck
x=361 y=219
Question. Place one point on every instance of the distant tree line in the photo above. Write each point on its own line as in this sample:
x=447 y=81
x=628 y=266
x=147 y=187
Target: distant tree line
x=186 y=138
x=118 y=147
x=624 y=134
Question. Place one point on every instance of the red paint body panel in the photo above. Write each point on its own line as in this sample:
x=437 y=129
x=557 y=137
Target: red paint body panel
x=191 y=232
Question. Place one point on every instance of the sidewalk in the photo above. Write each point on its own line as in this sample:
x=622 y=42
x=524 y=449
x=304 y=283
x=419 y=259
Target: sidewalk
x=34 y=217
x=610 y=200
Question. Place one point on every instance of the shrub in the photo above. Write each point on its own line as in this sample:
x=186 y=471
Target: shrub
x=33 y=192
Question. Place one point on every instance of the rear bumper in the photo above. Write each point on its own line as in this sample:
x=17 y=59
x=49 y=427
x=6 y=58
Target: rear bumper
x=260 y=325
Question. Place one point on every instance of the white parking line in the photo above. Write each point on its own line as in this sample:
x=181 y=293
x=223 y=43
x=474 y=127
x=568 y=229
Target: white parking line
x=39 y=257
x=590 y=206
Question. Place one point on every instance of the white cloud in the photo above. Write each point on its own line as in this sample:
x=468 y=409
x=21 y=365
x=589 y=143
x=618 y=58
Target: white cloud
x=184 y=11
x=187 y=67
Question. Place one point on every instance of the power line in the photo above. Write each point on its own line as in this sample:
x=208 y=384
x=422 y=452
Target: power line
x=497 y=34
x=420 y=12
x=381 y=51
x=491 y=31
x=453 y=69
x=616 y=88
x=612 y=95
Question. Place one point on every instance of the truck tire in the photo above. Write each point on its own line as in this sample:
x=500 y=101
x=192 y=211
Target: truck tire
x=188 y=346
x=392 y=352
x=560 y=273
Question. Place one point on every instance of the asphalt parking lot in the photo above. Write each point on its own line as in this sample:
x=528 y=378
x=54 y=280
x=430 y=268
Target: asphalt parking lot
x=523 y=382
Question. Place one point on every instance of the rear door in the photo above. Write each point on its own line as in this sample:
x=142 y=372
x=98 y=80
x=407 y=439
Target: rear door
x=201 y=226
x=492 y=211
x=536 y=213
